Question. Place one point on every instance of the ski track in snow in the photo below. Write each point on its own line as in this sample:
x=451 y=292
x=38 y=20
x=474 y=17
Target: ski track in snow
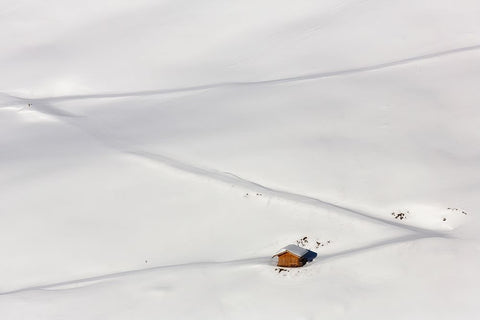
x=232 y=179
x=43 y=105
x=136 y=271
x=224 y=177
x=311 y=76
x=246 y=261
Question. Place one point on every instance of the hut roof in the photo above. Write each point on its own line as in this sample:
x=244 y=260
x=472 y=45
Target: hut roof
x=293 y=249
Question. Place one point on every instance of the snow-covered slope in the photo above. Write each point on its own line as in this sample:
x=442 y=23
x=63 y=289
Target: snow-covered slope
x=155 y=155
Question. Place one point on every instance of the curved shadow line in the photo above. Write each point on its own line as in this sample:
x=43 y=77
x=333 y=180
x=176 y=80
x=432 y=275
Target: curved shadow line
x=382 y=243
x=230 y=178
x=9 y=99
x=312 y=76
x=256 y=260
x=136 y=271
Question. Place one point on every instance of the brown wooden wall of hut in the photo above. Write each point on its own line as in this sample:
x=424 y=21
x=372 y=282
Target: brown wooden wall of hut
x=289 y=260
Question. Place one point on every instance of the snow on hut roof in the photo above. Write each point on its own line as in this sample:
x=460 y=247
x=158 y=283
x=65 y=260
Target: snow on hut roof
x=293 y=249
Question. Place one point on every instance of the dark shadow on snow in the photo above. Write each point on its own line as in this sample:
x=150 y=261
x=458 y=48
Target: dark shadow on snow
x=309 y=256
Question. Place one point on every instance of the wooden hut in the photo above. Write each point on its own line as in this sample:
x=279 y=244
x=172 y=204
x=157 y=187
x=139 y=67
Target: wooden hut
x=294 y=256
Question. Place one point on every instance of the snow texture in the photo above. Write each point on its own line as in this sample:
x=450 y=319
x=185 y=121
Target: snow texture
x=154 y=155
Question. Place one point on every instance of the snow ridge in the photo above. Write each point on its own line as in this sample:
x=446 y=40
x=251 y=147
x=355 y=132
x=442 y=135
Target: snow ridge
x=305 y=77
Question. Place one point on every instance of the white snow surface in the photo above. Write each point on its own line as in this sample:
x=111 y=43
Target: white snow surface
x=154 y=155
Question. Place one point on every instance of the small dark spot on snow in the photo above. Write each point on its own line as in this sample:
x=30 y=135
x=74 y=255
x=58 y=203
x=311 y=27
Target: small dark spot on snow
x=281 y=269
x=457 y=210
x=444 y=219
x=400 y=215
